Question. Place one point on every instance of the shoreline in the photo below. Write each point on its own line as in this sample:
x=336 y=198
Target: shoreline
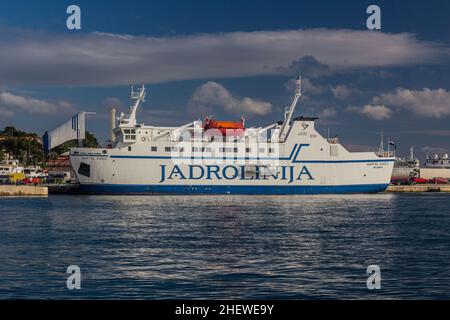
x=23 y=191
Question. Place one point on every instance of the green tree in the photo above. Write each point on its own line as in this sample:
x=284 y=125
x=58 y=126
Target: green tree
x=26 y=147
x=11 y=131
x=2 y=155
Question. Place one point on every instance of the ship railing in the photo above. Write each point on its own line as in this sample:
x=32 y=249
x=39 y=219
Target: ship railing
x=333 y=140
x=385 y=154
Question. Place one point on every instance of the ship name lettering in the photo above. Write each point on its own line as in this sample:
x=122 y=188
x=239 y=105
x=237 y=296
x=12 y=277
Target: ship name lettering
x=231 y=172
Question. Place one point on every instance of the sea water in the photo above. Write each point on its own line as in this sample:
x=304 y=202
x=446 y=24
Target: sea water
x=226 y=247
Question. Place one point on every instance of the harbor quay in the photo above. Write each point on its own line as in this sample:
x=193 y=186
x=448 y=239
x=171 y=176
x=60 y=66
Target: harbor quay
x=23 y=191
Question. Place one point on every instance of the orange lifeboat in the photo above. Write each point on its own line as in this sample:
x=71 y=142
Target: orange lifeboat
x=225 y=128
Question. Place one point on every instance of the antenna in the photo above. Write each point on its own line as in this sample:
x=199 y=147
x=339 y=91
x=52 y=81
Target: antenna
x=138 y=96
x=298 y=89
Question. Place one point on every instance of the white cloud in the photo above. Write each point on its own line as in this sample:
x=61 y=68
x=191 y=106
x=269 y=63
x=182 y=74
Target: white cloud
x=212 y=95
x=328 y=113
x=4 y=113
x=109 y=59
x=343 y=92
x=10 y=103
x=427 y=102
x=375 y=112
x=432 y=103
x=112 y=102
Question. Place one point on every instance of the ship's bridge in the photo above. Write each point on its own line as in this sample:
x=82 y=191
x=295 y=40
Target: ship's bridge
x=125 y=135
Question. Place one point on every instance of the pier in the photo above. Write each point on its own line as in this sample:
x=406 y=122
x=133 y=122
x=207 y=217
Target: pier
x=420 y=188
x=23 y=191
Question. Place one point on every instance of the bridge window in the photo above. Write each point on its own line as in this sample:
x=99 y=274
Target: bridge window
x=129 y=134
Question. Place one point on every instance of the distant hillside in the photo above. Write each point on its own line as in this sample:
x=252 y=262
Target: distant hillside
x=24 y=146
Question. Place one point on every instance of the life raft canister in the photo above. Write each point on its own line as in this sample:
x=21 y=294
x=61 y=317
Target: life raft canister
x=224 y=128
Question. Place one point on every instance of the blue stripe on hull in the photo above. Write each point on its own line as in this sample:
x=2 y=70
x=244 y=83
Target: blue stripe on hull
x=218 y=189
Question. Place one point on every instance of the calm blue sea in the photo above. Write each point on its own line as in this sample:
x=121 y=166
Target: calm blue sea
x=226 y=247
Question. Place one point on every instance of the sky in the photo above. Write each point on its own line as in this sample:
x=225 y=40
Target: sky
x=231 y=59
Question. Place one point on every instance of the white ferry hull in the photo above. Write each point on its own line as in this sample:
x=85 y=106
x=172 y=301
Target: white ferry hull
x=143 y=174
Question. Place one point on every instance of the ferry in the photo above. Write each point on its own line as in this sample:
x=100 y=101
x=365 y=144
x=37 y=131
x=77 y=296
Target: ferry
x=34 y=172
x=225 y=157
x=406 y=167
x=437 y=161
x=10 y=166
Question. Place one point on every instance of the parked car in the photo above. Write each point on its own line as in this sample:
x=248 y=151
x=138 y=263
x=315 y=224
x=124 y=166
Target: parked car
x=418 y=180
x=439 y=181
x=31 y=181
x=399 y=181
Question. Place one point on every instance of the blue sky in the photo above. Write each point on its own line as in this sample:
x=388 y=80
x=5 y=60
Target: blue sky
x=233 y=58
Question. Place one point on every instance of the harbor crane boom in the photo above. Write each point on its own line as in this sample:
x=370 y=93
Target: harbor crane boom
x=290 y=112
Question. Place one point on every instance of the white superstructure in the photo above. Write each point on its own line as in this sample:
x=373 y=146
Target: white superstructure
x=34 y=172
x=437 y=161
x=288 y=157
x=10 y=166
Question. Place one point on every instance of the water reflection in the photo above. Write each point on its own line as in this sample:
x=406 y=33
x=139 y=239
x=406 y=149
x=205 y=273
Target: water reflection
x=225 y=246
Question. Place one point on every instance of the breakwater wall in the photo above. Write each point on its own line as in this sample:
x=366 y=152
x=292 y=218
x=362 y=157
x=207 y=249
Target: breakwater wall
x=420 y=188
x=25 y=191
